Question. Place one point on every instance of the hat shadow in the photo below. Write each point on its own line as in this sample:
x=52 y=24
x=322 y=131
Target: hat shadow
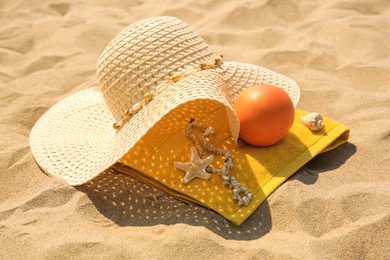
x=128 y=201
x=324 y=162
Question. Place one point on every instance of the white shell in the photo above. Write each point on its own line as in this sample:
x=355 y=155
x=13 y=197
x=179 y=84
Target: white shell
x=314 y=121
x=137 y=106
x=246 y=200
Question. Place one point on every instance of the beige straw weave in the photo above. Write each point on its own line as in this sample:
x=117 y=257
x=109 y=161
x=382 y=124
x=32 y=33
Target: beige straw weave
x=75 y=139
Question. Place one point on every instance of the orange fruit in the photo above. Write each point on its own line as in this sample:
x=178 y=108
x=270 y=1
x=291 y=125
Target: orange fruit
x=266 y=114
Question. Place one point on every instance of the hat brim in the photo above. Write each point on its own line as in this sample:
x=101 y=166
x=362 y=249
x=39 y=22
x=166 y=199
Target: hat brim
x=75 y=140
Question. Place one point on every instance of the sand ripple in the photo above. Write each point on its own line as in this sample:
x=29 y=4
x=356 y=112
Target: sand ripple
x=335 y=207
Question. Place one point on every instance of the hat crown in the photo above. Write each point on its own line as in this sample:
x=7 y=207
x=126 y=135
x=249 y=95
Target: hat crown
x=144 y=55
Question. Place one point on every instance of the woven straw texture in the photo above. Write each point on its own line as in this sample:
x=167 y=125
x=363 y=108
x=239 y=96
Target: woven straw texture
x=75 y=139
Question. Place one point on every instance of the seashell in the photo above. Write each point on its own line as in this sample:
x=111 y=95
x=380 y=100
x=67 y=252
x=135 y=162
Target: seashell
x=176 y=78
x=236 y=196
x=235 y=183
x=137 y=106
x=244 y=189
x=313 y=120
x=246 y=200
x=148 y=97
x=225 y=177
x=129 y=113
x=236 y=190
x=161 y=87
x=227 y=183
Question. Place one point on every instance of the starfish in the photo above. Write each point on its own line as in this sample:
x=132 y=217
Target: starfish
x=196 y=167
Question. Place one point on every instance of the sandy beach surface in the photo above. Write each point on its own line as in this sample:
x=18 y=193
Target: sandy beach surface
x=335 y=207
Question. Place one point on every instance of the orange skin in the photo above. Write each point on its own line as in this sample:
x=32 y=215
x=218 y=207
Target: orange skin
x=266 y=114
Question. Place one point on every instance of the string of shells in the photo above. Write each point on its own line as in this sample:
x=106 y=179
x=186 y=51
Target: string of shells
x=227 y=179
x=217 y=61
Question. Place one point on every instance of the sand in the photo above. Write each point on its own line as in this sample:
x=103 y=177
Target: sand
x=335 y=207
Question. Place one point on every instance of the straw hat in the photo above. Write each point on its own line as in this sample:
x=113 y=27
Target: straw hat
x=149 y=69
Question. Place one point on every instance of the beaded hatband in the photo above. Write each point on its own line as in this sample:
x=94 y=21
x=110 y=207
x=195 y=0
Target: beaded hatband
x=217 y=61
x=199 y=166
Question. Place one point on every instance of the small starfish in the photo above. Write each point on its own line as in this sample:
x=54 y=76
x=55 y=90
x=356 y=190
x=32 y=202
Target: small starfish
x=196 y=167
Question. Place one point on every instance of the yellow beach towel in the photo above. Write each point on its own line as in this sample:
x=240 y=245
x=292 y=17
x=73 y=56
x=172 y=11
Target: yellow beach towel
x=261 y=170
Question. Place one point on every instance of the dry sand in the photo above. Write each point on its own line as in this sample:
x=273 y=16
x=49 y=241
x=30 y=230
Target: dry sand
x=335 y=207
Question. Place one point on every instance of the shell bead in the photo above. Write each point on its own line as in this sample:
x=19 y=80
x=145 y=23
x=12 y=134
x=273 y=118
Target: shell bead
x=314 y=121
x=227 y=179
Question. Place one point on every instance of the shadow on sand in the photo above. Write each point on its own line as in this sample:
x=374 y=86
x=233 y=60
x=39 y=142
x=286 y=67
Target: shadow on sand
x=128 y=201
